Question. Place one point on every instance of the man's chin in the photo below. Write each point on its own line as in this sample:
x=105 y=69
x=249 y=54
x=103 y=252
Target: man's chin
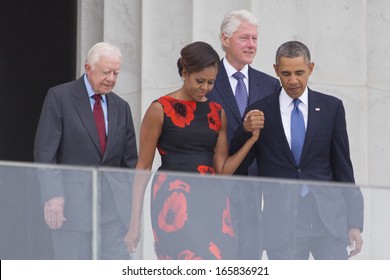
x=106 y=90
x=249 y=60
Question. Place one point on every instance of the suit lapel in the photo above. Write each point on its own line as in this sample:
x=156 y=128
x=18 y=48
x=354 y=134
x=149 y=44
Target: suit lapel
x=274 y=121
x=254 y=86
x=225 y=91
x=83 y=108
x=112 y=120
x=313 y=119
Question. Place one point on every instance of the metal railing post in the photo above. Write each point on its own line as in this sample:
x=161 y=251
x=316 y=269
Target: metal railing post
x=95 y=214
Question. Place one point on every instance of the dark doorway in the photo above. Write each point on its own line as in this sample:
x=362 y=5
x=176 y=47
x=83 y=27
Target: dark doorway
x=38 y=50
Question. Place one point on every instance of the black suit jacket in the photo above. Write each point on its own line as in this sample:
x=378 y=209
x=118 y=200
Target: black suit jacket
x=67 y=134
x=325 y=157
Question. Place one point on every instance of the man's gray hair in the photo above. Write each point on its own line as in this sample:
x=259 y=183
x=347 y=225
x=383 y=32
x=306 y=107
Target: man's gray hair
x=100 y=49
x=232 y=21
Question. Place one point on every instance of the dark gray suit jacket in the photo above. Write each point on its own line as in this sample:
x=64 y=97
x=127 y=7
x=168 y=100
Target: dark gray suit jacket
x=67 y=134
x=325 y=157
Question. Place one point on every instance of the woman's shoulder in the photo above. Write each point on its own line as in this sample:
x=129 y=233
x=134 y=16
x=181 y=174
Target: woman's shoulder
x=165 y=98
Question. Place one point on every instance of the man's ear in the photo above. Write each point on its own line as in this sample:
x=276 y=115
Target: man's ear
x=311 y=67
x=224 y=39
x=276 y=70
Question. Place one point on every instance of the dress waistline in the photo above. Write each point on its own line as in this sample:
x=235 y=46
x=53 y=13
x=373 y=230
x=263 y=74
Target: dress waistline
x=186 y=159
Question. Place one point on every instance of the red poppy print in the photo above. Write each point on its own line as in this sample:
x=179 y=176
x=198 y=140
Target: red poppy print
x=188 y=255
x=160 y=180
x=160 y=150
x=180 y=112
x=179 y=185
x=227 y=226
x=204 y=169
x=215 y=251
x=214 y=117
x=173 y=215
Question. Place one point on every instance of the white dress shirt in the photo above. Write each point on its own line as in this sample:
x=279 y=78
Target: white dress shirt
x=230 y=70
x=287 y=105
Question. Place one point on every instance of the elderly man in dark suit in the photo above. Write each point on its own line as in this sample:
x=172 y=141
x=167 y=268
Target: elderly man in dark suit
x=304 y=137
x=239 y=37
x=84 y=123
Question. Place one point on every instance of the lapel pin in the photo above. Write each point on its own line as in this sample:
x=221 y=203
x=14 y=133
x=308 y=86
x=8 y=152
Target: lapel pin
x=317 y=109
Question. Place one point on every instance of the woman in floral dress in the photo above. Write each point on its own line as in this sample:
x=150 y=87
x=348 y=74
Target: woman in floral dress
x=190 y=215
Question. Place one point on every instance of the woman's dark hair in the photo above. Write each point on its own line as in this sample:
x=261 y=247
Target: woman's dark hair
x=197 y=56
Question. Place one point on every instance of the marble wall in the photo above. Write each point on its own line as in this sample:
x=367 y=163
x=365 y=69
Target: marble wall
x=347 y=39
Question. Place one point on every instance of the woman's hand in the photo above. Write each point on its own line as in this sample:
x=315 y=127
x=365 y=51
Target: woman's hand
x=132 y=237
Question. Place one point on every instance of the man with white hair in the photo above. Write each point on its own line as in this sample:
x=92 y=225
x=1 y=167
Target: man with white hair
x=84 y=123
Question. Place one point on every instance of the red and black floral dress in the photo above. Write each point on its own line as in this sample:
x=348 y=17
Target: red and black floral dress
x=190 y=214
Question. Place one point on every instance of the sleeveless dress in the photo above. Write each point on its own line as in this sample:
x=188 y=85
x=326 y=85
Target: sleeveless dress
x=190 y=214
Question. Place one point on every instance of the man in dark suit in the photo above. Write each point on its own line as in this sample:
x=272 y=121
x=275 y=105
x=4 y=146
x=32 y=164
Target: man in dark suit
x=239 y=41
x=299 y=220
x=67 y=133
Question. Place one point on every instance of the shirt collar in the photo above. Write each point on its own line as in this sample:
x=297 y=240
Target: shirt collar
x=230 y=70
x=90 y=90
x=285 y=100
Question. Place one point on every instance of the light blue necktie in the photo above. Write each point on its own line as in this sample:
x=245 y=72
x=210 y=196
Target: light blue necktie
x=241 y=92
x=298 y=137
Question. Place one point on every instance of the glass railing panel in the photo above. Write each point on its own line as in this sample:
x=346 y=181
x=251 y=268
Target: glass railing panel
x=98 y=205
x=24 y=225
x=165 y=211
